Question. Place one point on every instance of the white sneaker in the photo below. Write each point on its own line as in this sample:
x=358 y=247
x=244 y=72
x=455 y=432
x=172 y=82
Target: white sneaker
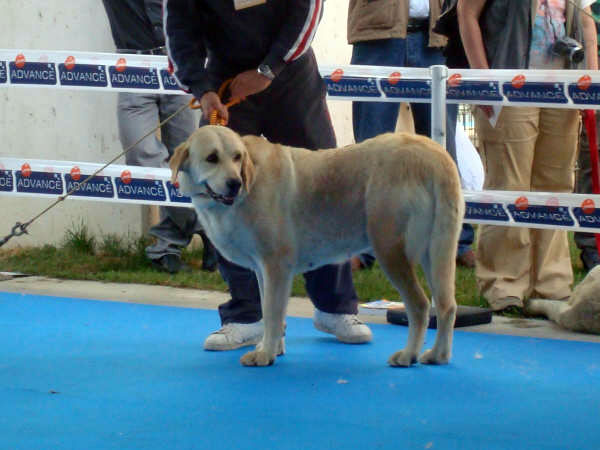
x=347 y=328
x=234 y=335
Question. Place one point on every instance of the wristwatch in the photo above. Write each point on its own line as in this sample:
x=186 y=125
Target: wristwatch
x=265 y=70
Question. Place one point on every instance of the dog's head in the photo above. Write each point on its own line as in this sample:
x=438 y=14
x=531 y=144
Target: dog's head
x=215 y=165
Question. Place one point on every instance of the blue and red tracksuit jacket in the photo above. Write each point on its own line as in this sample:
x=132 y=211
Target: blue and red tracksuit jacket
x=209 y=41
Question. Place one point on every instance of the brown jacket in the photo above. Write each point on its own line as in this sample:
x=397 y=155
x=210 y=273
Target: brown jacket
x=384 y=19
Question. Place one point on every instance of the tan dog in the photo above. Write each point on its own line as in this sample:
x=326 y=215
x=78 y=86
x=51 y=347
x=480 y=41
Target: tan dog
x=280 y=211
x=582 y=311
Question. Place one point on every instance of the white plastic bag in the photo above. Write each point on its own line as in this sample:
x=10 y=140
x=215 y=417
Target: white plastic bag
x=469 y=163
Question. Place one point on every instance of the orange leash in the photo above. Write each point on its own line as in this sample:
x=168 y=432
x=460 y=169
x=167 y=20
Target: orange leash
x=215 y=118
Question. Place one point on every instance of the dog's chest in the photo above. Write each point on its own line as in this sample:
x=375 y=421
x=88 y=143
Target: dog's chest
x=232 y=240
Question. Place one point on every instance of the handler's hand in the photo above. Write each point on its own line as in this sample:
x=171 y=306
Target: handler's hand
x=248 y=83
x=211 y=101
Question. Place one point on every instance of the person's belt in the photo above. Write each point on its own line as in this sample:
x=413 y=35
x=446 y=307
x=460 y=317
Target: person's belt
x=150 y=51
x=420 y=24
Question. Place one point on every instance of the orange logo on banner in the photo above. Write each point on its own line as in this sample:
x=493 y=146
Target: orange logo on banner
x=121 y=64
x=588 y=206
x=518 y=81
x=75 y=173
x=454 y=80
x=126 y=176
x=70 y=63
x=26 y=170
x=552 y=203
x=20 y=61
x=584 y=82
x=522 y=203
x=394 y=77
x=337 y=75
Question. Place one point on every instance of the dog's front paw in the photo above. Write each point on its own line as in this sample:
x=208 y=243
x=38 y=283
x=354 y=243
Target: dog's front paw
x=257 y=358
x=432 y=357
x=402 y=359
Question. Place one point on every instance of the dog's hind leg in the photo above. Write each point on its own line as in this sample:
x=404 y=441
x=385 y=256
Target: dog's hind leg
x=276 y=285
x=401 y=272
x=439 y=265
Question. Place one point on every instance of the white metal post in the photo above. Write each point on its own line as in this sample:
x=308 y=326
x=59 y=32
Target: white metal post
x=439 y=75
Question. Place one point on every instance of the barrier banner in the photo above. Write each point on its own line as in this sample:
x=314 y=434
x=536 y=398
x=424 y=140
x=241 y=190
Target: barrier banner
x=120 y=72
x=150 y=186
x=86 y=70
x=116 y=183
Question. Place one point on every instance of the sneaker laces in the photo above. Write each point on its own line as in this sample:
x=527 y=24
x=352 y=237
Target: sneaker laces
x=225 y=329
x=236 y=331
x=353 y=320
x=231 y=333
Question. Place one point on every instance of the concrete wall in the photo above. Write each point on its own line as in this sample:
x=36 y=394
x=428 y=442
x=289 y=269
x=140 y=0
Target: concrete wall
x=63 y=125
x=81 y=126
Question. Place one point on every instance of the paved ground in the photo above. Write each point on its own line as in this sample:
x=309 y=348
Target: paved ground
x=193 y=298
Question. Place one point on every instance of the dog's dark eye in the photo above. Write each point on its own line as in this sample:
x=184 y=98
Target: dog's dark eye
x=213 y=158
x=237 y=157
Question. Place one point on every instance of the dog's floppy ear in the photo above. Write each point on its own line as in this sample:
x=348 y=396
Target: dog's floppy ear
x=181 y=154
x=247 y=171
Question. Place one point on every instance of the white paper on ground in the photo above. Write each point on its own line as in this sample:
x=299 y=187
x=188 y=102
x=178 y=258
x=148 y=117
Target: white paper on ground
x=378 y=306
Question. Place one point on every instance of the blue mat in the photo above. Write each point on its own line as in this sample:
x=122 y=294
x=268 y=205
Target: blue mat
x=79 y=374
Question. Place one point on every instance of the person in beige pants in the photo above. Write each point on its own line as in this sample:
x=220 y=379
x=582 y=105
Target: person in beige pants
x=529 y=149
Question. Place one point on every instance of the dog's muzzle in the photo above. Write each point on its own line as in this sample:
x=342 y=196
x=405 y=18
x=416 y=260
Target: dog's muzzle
x=226 y=200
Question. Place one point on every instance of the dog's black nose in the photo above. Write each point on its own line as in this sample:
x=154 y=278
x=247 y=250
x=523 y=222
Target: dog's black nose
x=233 y=186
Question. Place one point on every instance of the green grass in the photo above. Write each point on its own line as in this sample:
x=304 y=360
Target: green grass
x=79 y=239
x=114 y=259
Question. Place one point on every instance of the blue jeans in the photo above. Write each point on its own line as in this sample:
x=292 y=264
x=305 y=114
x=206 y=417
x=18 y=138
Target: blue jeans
x=373 y=118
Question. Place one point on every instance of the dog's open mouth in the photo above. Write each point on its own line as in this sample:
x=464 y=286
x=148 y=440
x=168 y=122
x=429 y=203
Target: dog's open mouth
x=218 y=197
